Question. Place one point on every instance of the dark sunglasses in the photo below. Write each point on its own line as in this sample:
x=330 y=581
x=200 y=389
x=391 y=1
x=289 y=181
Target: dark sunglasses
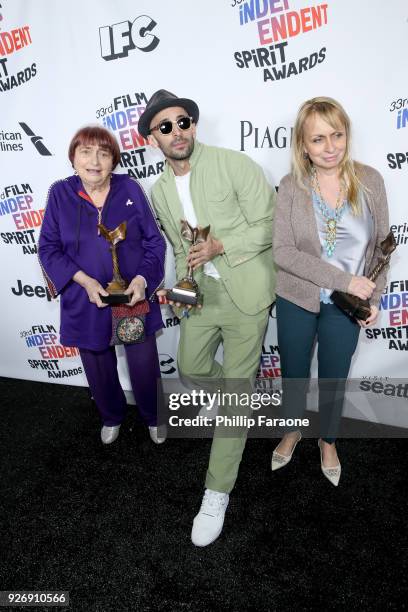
x=166 y=127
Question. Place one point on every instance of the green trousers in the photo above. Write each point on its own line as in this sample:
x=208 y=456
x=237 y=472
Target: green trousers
x=221 y=322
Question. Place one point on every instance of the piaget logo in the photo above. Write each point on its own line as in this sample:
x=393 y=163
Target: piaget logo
x=279 y=137
x=276 y=24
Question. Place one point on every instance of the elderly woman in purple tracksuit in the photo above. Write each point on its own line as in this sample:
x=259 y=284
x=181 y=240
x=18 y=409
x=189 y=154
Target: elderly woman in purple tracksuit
x=77 y=264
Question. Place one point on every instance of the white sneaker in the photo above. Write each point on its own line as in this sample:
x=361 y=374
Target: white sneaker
x=109 y=434
x=208 y=523
x=158 y=434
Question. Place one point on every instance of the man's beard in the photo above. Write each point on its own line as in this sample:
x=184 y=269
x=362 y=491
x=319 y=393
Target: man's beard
x=181 y=155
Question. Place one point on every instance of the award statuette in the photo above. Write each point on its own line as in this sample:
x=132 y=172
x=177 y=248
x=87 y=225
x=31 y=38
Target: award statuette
x=117 y=285
x=186 y=291
x=351 y=304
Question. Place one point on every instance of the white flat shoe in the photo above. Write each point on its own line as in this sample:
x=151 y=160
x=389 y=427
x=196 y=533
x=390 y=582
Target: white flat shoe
x=279 y=461
x=109 y=434
x=158 y=434
x=332 y=473
x=209 y=522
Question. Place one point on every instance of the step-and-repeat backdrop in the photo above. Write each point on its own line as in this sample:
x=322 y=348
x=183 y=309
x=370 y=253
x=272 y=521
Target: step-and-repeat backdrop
x=249 y=64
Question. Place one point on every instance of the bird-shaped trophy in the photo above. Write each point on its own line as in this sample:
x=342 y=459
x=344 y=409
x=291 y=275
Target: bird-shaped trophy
x=118 y=284
x=186 y=291
x=353 y=305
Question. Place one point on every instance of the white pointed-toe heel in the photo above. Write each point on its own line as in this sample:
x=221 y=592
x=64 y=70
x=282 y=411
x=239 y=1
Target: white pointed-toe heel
x=279 y=461
x=332 y=473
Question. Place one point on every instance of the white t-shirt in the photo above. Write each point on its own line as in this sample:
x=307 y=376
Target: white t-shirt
x=183 y=190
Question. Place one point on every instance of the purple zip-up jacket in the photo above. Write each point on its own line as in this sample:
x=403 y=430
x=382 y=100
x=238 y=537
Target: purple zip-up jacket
x=69 y=242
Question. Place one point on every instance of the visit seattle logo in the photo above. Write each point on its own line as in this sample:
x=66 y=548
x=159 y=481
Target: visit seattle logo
x=276 y=24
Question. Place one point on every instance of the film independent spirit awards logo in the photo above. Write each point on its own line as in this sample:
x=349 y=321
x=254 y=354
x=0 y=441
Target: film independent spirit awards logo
x=13 y=41
x=275 y=24
x=399 y=113
x=121 y=116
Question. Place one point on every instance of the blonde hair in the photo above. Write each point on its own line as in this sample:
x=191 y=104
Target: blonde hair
x=334 y=114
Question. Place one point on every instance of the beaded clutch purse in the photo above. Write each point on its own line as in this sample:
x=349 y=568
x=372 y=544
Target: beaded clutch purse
x=128 y=323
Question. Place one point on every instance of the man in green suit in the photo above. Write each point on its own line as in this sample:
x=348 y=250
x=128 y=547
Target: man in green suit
x=233 y=268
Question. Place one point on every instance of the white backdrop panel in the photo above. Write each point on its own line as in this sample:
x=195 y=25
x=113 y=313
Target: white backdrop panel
x=54 y=79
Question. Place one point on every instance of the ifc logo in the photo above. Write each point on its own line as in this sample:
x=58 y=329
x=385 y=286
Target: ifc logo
x=120 y=38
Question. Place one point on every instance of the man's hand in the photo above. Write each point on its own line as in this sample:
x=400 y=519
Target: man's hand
x=204 y=252
x=372 y=319
x=93 y=288
x=162 y=293
x=361 y=287
x=137 y=288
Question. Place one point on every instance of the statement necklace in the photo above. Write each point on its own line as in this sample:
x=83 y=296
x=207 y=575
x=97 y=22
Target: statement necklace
x=331 y=216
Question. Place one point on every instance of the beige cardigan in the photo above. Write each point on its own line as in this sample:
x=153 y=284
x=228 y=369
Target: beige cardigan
x=296 y=247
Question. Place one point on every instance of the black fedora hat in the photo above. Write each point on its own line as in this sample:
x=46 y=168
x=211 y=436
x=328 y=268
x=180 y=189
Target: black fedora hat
x=165 y=99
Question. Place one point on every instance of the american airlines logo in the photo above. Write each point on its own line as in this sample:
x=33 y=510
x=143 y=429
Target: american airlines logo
x=36 y=140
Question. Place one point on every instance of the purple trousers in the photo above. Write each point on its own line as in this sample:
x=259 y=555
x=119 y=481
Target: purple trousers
x=102 y=375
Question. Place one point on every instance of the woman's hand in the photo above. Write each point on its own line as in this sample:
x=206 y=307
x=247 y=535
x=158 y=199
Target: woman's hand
x=361 y=287
x=93 y=288
x=137 y=287
x=372 y=319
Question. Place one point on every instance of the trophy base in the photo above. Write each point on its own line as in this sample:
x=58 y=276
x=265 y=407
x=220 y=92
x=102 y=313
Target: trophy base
x=183 y=296
x=351 y=305
x=113 y=299
x=186 y=292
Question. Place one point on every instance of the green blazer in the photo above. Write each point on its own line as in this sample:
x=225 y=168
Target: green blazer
x=229 y=192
